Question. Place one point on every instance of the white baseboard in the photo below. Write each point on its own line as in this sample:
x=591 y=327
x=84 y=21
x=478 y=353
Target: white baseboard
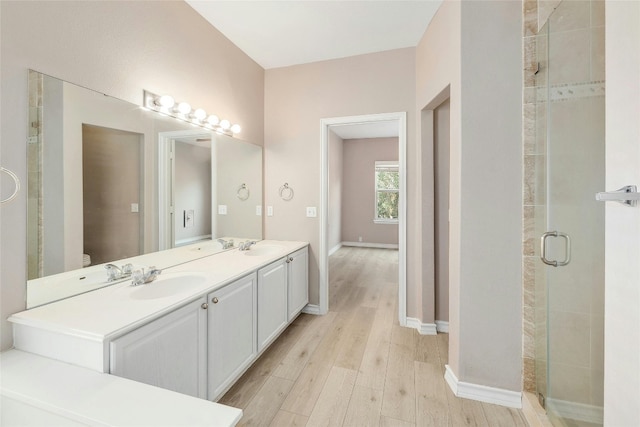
x=312 y=309
x=335 y=249
x=371 y=245
x=482 y=393
x=442 y=326
x=576 y=411
x=423 y=328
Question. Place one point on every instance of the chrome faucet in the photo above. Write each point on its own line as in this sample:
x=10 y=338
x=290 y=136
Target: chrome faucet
x=116 y=273
x=226 y=244
x=140 y=277
x=245 y=246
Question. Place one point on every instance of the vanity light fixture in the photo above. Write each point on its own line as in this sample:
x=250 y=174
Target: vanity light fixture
x=166 y=104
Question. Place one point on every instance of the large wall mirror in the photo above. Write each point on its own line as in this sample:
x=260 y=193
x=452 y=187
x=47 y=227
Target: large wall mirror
x=111 y=182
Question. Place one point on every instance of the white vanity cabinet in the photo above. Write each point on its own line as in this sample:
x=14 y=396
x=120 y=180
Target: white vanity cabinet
x=272 y=302
x=298 y=282
x=170 y=352
x=232 y=334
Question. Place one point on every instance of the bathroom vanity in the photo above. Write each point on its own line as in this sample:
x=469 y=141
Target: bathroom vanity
x=194 y=330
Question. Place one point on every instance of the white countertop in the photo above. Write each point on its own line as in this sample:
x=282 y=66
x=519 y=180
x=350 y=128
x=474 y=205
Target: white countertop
x=109 y=312
x=91 y=398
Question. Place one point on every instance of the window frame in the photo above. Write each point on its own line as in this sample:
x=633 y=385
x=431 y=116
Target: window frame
x=386 y=164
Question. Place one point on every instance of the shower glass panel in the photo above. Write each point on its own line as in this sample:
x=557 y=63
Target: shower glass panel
x=570 y=274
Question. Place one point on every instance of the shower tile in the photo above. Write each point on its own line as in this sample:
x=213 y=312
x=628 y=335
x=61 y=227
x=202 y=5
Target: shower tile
x=569 y=382
x=529 y=95
x=597 y=387
x=529 y=191
x=571 y=15
x=597 y=13
x=530 y=60
x=569 y=57
x=597 y=343
x=529 y=239
x=569 y=338
x=529 y=132
x=541 y=128
x=597 y=54
x=545 y=9
x=530 y=17
x=529 y=374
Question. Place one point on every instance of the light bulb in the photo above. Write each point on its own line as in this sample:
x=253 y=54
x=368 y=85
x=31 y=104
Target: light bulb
x=236 y=128
x=213 y=120
x=225 y=124
x=184 y=108
x=200 y=114
x=165 y=101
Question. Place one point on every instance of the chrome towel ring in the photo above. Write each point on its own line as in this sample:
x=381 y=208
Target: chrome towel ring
x=286 y=192
x=16 y=182
x=243 y=192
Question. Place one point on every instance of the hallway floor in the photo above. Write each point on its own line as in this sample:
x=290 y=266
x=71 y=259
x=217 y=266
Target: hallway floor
x=356 y=366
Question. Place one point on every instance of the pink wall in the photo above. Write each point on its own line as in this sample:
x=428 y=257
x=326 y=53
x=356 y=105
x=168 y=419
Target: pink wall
x=296 y=98
x=358 y=184
x=119 y=49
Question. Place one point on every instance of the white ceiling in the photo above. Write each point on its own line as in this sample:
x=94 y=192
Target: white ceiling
x=289 y=32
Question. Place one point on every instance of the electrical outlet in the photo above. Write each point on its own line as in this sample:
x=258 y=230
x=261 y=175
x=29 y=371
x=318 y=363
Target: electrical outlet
x=360 y=239
x=222 y=209
x=311 y=212
x=269 y=210
x=259 y=210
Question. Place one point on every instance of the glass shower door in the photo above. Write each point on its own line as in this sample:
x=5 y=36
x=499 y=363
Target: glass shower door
x=572 y=246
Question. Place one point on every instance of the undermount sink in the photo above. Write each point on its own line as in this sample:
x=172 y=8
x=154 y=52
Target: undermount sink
x=264 y=250
x=167 y=285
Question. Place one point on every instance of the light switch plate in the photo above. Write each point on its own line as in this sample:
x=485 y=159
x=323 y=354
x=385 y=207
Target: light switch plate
x=259 y=210
x=311 y=212
x=188 y=218
x=222 y=209
x=135 y=207
x=269 y=210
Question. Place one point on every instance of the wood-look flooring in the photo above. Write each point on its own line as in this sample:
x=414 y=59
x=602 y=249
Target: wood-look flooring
x=356 y=366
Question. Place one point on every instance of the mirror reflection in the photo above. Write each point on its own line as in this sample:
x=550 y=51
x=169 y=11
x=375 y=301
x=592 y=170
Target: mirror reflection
x=110 y=182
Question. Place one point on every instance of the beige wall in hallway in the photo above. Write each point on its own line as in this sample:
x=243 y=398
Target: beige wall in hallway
x=108 y=47
x=296 y=98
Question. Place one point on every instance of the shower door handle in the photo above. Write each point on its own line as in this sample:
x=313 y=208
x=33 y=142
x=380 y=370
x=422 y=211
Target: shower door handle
x=627 y=195
x=543 y=248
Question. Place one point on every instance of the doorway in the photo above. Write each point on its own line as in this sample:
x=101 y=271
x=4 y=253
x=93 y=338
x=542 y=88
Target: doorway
x=112 y=193
x=398 y=121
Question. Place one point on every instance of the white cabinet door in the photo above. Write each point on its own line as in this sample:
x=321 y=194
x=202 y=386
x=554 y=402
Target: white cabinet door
x=272 y=302
x=232 y=333
x=170 y=352
x=298 y=277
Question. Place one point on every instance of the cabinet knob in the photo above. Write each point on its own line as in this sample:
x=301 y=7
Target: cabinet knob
x=288 y=261
x=204 y=306
x=291 y=259
x=214 y=300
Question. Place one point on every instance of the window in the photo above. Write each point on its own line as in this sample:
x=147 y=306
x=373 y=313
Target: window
x=387 y=192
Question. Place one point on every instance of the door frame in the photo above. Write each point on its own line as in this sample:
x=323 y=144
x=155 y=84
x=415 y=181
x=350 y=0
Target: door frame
x=166 y=183
x=325 y=125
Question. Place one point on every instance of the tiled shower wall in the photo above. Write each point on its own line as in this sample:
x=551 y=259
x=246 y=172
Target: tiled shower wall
x=532 y=202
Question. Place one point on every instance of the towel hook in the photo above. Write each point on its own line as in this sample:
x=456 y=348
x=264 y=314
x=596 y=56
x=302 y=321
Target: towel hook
x=16 y=182
x=243 y=192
